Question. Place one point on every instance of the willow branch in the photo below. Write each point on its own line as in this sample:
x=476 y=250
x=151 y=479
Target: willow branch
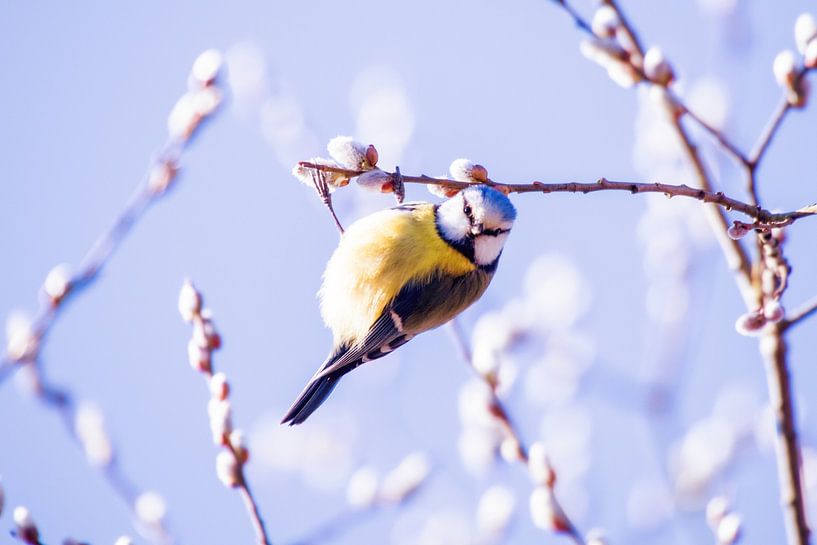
x=636 y=63
x=773 y=344
x=773 y=347
x=500 y=412
x=769 y=131
x=62 y=401
x=160 y=176
x=204 y=341
x=603 y=184
x=806 y=310
x=338 y=525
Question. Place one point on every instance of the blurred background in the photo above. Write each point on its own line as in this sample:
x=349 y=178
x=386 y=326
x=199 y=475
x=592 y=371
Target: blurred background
x=613 y=314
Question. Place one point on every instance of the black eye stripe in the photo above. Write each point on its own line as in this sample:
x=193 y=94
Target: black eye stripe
x=494 y=232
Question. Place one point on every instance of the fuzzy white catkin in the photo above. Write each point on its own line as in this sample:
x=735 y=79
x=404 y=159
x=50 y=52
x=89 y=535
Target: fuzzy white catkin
x=198 y=357
x=333 y=179
x=716 y=509
x=810 y=56
x=348 y=152
x=805 y=31
x=773 y=311
x=22 y=517
x=189 y=301
x=21 y=342
x=595 y=537
x=784 y=68
x=656 y=66
x=374 y=180
x=227 y=469
x=150 y=508
x=361 y=492
x=545 y=512
x=729 y=529
x=219 y=387
x=221 y=424
x=123 y=540
x=58 y=281
x=90 y=428
x=538 y=465
x=207 y=66
x=605 y=22
x=495 y=509
x=509 y=449
x=465 y=170
x=406 y=477
x=607 y=54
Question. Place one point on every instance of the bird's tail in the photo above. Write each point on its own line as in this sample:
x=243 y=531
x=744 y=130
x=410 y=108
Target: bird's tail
x=316 y=392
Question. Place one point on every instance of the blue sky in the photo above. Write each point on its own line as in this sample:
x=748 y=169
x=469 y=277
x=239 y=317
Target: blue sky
x=85 y=97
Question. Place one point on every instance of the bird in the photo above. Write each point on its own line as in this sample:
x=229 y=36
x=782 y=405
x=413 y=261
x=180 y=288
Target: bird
x=400 y=272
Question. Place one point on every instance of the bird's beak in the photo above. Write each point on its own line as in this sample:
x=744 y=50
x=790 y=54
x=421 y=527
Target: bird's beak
x=477 y=229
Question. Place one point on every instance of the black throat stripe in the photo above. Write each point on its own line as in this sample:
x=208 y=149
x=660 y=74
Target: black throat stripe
x=465 y=247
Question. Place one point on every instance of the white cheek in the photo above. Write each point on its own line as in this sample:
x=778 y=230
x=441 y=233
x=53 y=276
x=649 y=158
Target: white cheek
x=487 y=248
x=453 y=223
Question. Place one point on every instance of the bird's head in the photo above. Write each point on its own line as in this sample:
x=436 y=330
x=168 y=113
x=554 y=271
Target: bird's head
x=477 y=220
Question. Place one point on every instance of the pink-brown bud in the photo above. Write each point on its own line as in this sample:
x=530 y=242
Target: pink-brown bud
x=751 y=323
x=239 y=445
x=738 y=230
x=372 y=155
x=189 y=301
x=773 y=311
x=161 y=176
x=58 y=283
x=198 y=357
x=219 y=387
x=26 y=529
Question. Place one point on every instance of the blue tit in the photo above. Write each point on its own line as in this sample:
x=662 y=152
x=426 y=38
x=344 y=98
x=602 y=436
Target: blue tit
x=399 y=272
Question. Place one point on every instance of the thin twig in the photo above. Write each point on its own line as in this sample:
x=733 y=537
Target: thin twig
x=773 y=347
x=717 y=134
x=62 y=401
x=628 y=30
x=337 y=525
x=603 y=184
x=206 y=340
x=500 y=412
x=736 y=257
x=766 y=136
x=807 y=309
x=578 y=20
x=158 y=179
x=252 y=508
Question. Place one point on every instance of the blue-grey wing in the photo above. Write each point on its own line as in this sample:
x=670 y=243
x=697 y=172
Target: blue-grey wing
x=417 y=307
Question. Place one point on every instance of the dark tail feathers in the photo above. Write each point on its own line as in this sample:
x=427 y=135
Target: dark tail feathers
x=310 y=399
x=316 y=392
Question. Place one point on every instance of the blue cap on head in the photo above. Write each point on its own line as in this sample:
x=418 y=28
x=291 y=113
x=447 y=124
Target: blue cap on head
x=495 y=199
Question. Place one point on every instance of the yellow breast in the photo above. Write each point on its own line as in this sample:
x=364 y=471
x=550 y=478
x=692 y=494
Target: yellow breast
x=376 y=257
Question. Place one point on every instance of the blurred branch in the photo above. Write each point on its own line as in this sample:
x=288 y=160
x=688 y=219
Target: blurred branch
x=799 y=314
x=603 y=184
x=773 y=348
x=636 y=59
x=230 y=462
x=562 y=523
x=94 y=443
x=337 y=525
x=759 y=150
x=188 y=115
